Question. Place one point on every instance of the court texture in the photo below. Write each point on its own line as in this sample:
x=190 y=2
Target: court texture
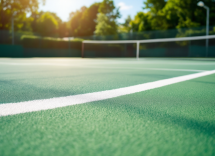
x=107 y=107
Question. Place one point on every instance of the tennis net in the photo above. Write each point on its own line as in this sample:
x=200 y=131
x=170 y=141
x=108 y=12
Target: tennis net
x=200 y=46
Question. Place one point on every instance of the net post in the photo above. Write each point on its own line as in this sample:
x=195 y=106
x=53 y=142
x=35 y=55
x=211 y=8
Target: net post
x=70 y=50
x=138 y=49
x=207 y=44
x=82 y=50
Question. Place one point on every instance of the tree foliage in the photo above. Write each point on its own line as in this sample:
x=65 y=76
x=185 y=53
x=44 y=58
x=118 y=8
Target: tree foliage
x=17 y=9
x=106 y=19
x=171 y=14
x=89 y=20
x=154 y=5
x=101 y=18
x=108 y=8
x=47 y=24
x=187 y=13
x=83 y=21
x=141 y=22
x=61 y=31
x=126 y=26
x=105 y=26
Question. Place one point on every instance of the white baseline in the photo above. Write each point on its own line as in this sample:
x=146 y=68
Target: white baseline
x=38 y=105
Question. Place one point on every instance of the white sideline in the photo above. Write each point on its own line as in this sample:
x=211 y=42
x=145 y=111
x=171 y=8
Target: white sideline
x=69 y=65
x=164 y=69
x=38 y=105
x=105 y=63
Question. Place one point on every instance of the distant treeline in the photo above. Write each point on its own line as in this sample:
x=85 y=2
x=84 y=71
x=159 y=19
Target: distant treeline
x=101 y=18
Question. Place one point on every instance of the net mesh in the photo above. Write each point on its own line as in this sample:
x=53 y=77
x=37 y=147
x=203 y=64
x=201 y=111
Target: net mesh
x=109 y=50
x=171 y=47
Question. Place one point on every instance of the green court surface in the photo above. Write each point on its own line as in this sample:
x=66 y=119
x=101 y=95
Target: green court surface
x=176 y=119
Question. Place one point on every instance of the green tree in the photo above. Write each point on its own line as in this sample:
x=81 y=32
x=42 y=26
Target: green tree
x=106 y=19
x=83 y=21
x=151 y=20
x=25 y=25
x=18 y=8
x=154 y=6
x=156 y=17
x=126 y=26
x=88 y=20
x=141 y=22
x=75 y=22
x=127 y=21
x=47 y=24
x=105 y=26
x=188 y=13
x=35 y=16
x=178 y=13
x=63 y=30
x=56 y=17
x=108 y=8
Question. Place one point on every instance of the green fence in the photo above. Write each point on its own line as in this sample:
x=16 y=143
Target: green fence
x=28 y=44
x=11 y=51
x=50 y=47
x=31 y=45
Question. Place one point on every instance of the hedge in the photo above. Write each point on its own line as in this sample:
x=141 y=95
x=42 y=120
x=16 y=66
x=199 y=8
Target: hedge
x=50 y=43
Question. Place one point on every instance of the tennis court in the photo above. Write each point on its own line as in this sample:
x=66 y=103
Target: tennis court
x=107 y=107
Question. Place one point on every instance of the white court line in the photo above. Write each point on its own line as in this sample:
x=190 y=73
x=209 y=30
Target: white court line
x=165 y=69
x=34 y=64
x=69 y=65
x=109 y=63
x=38 y=105
x=188 y=70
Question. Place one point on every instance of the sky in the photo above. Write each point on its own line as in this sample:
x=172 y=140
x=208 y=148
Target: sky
x=64 y=7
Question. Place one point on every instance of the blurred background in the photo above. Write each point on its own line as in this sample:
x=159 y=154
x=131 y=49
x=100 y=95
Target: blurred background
x=53 y=28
